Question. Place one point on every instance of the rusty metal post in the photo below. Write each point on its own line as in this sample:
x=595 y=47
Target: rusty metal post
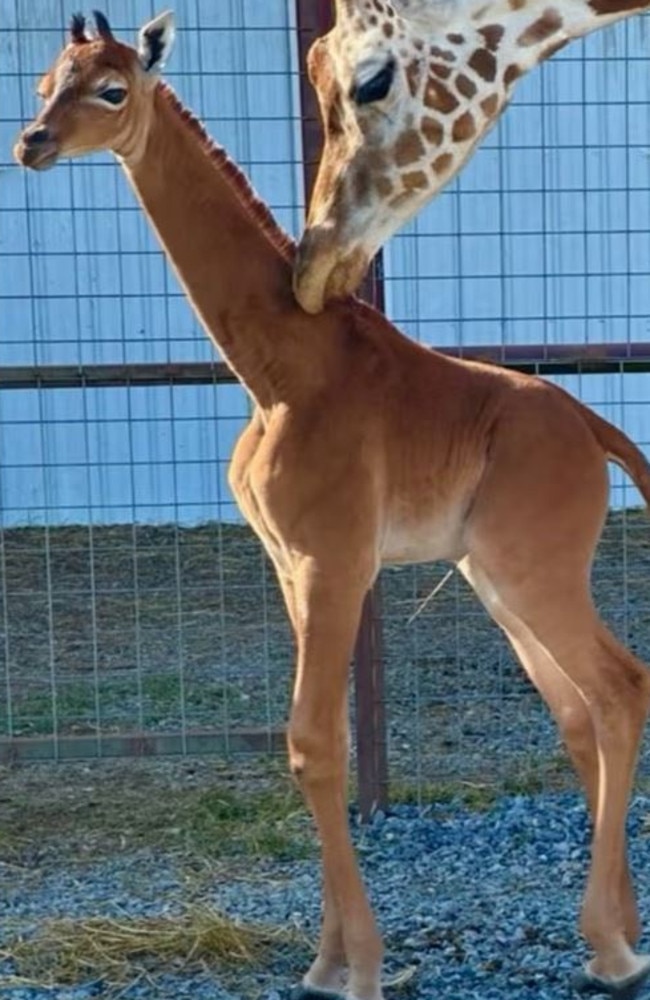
x=314 y=18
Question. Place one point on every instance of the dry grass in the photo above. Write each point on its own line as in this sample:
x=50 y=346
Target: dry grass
x=121 y=951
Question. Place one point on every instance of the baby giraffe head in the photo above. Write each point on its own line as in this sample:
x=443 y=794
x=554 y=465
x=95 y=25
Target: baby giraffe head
x=406 y=89
x=97 y=95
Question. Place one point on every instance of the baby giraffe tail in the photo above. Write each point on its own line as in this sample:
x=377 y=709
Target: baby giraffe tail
x=620 y=449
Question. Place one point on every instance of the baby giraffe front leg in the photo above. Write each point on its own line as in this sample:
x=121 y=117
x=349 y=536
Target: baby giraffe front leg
x=329 y=605
x=328 y=972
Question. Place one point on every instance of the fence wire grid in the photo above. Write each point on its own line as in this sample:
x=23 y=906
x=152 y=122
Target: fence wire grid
x=137 y=611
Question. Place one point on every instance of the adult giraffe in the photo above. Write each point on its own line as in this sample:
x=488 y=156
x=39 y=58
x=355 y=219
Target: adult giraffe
x=407 y=89
x=365 y=448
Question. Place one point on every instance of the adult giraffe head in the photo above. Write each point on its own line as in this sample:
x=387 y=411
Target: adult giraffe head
x=97 y=94
x=407 y=89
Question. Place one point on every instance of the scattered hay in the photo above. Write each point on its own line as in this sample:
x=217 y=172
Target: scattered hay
x=119 y=951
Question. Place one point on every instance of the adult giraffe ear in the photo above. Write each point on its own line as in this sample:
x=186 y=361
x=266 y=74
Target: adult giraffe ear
x=155 y=42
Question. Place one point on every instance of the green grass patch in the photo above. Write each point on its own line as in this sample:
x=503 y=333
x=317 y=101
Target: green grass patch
x=83 y=813
x=271 y=824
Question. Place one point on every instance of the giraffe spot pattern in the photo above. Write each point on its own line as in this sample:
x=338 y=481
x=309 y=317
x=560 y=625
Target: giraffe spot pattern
x=512 y=73
x=388 y=29
x=492 y=34
x=442 y=163
x=383 y=186
x=437 y=96
x=456 y=39
x=445 y=54
x=464 y=128
x=483 y=63
x=408 y=147
x=542 y=28
x=489 y=105
x=615 y=6
x=465 y=86
x=432 y=131
x=441 y=70
x=414 y=180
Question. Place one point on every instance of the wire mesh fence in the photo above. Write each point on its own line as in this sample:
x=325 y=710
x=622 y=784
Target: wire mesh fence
x=137 y=612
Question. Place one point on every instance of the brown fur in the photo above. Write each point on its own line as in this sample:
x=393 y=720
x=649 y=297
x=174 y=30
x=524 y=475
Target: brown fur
x=258 y=209
x=490 y=105
x=608 y=7
x=442 y=163
x=437 y=53
x=438 y=97
x=432 y=130
x=512 y=73
x=409 y=148
x=465 y=86
x=483 y=62
x=492 y=33
x=441 y=70
x=464 y=128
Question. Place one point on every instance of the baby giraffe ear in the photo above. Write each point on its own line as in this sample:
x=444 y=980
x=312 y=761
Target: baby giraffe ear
x=155 y=42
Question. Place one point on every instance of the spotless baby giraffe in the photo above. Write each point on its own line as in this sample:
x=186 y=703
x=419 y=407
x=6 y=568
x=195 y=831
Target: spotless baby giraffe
x=407 y=90
x=365 y=448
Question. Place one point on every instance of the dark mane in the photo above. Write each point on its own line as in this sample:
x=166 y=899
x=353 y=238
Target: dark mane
x=258 y=210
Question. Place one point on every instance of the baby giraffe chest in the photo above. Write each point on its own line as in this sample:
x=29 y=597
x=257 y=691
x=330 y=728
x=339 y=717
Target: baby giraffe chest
x=411 y=538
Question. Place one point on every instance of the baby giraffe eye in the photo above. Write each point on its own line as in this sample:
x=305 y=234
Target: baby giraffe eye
x=113 y=95
x=376 y=88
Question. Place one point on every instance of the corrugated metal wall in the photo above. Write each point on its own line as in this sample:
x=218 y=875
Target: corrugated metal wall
x=544 y=238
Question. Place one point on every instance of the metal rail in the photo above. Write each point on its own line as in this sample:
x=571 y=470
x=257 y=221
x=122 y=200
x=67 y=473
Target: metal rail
x=540 y=359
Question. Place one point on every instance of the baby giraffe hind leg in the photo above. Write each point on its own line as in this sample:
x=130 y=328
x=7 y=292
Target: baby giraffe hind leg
x=572 y=716
x=551 y=621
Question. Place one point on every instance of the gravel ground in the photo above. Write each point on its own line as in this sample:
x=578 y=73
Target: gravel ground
x=480 y=905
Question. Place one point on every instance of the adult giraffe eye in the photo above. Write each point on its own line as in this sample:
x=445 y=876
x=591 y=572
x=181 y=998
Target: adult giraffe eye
x=376 y=88
x=113 y=95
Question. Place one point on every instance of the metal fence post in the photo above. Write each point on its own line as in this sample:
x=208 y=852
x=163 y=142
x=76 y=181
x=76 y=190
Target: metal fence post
x=314 y=18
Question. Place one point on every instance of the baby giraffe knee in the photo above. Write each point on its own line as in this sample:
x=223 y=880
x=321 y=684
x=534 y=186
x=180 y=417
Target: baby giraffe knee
x=314 y=758
x=575 y=722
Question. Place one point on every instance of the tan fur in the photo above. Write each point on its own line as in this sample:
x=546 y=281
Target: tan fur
x=365 y=448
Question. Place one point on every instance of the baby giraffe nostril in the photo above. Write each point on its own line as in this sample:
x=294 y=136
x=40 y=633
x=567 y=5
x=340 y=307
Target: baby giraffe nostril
x=37 y=136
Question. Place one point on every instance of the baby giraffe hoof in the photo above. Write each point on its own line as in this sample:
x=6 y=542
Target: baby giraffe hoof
x=588 y=984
